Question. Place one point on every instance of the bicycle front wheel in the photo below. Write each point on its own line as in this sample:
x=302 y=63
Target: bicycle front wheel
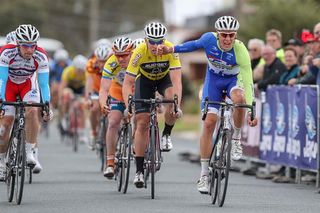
x=20 y=166
x=11 y=172
x=126 y=156
x=152 y=165
x=224 y=167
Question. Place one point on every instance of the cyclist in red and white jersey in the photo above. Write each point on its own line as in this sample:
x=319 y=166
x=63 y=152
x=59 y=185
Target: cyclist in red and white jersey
x=24 y=70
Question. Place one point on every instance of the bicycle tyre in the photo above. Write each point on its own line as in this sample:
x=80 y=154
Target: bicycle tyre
x=224 y=164
x=119 y=163
x=126 y=160
x=213 y=175
x=152 y=165
x=21 y=165
x=75 y=135
x=11 y=179
x=30 y=175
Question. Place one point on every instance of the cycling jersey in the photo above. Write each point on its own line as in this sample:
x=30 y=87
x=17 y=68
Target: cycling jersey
x=113 y=71
x=93 y=70
x=223 y=66
x=19 y=70
x=153 y=67
x=75 y=80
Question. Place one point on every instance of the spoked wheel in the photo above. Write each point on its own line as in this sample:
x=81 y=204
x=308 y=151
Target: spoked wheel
x=11 y=171
x=224 y=167
x=152 y=160
x=75 y=141
x=126 y=157
x=119 y=171
x=213 y=175
x=20 y=167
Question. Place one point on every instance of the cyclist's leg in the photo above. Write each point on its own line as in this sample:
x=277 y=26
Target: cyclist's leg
x=213 y=91
x=64 y=106
x=6 y=125
x=144 y=90
x=114 y=119
x=235 y=89
x=30 y=93
x=94 y=117
x=166 y=89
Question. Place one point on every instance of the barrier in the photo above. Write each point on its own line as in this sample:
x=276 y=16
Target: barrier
x=289 y=131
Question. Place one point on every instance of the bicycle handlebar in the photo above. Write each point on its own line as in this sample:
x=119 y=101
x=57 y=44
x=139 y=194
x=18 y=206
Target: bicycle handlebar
x=153 y=101
x=44 y=106
x=252 y=107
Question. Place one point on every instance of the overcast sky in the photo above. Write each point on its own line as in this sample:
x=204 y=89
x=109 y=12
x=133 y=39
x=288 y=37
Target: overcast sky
x=176 y=11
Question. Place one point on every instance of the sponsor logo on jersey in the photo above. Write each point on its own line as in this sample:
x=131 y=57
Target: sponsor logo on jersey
x=136 y=60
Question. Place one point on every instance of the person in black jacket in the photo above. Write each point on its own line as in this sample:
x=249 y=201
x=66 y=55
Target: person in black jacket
x=272 y=70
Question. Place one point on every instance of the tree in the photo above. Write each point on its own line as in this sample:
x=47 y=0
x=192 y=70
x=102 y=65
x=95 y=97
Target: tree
x=288 y=16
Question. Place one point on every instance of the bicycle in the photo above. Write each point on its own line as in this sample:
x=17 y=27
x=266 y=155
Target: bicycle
x=219 y=163
x=153 y=158
x=123 y=153
x=16 y=154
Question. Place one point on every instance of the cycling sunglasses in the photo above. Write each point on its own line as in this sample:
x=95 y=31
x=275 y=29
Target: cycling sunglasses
x=26 y=45
x=225 y=35
x=155 y=42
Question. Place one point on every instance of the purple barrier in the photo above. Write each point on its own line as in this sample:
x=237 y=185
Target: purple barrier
x=289 y=127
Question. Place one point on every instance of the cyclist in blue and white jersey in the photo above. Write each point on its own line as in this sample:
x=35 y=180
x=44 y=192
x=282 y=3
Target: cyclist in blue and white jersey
x=229 y=68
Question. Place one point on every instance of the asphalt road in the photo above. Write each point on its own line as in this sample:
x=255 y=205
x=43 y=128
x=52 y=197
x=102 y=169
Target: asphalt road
x=72 y=183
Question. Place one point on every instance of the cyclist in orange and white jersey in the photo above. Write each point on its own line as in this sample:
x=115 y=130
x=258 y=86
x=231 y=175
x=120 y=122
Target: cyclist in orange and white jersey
x=111 y=84
x=94 y=70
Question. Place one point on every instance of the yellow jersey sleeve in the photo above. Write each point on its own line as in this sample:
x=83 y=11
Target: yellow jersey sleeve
x=110 y=67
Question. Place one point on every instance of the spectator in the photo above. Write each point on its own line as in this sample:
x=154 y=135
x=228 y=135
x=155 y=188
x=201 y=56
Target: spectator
x=254 y=47
x=273 y=68
x=291 y=62
x=274 y=39
x=297 y=45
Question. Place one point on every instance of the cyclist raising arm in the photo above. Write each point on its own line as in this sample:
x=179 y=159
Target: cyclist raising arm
x=150 y=73
x=229 y=69
x=24 y=69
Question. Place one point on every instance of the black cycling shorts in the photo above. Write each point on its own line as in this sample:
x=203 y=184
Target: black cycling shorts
x=146 y=88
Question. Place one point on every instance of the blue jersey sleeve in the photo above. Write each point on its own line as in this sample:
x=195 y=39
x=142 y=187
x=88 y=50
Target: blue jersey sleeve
x=43 y=79
x=4 y=73
x=190 y=46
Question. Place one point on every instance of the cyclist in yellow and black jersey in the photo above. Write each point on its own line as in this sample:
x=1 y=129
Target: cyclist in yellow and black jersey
x=150 y=73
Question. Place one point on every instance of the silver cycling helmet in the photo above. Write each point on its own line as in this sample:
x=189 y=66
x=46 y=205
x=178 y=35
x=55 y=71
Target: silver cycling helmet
x=61 y=55
x=80 y=62
x=26 y=33
x=137 y=41
x=102 y=52
x=11 y=38
x=227 y=23
x=122 y=45
x=155 y=30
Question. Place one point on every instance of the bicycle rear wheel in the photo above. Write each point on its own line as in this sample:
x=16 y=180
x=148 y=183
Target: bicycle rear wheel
x=126 y=156
x=224 y=167
x=75 y=135
x=21 y=165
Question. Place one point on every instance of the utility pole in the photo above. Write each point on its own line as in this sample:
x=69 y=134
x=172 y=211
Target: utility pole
x=94 y=21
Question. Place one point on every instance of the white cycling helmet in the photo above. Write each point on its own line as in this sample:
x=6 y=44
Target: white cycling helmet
x=122 y=45
x=80 y=62
x=137 y=41
x=102 y=52
x=26 y=33
x=155 y=30
x=11 y=38
x=104 y=41
x=61 y=55
x=227 y=23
